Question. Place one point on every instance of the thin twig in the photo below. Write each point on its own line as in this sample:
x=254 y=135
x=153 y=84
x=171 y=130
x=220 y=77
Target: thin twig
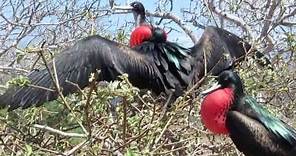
x=164 y=129
x=54 y=78
x=178 y=21
x=130 y=141
x=59 y=132
x=14 y=69
x=211 y=12
x=80 y=145
x=87 y=104
x=124 y=122
x=165 y=108
x=78 y=88
x=170 y=151
x=40 y=87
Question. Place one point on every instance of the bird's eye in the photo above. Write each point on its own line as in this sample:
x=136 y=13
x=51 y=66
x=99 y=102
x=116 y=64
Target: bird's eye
x=134 y=4
x=225 y=79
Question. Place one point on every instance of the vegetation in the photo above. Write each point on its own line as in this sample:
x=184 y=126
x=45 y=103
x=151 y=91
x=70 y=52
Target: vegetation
x=116 y=118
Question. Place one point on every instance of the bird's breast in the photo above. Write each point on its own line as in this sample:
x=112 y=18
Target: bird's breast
x=139 y=35
x=214 y=109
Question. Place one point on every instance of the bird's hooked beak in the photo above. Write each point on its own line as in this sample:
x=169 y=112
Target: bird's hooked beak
x=122 y=8
x=136 y=8
x=210 y=90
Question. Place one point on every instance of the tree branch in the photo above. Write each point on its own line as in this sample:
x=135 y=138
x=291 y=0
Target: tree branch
x=52 y=130
x=268 y=17
x=178 y=21
x=14 y=69
x=240 y=22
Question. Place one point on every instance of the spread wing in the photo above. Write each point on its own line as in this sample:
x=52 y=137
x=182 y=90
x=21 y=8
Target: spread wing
x=219 y=48
x=75 y=65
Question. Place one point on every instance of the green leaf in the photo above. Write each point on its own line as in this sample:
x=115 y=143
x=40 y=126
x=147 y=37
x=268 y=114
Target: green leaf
x=19 y=81
x=29 y=150
x=129 y=152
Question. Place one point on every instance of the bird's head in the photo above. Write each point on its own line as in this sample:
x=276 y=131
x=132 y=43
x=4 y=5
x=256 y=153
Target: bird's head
x=226 y=79
x=137 y=8
x=218 y=101
x=143 y=31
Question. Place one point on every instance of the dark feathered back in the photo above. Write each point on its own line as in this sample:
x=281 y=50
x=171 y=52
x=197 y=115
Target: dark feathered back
x=173 y=61
x=280 y=129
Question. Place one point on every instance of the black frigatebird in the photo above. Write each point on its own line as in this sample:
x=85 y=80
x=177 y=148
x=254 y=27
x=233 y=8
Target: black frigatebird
x=228 y=110
x=155 y=64
x=143 y=31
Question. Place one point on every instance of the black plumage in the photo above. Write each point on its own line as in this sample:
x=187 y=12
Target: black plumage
x=252 y=128
x=93 y=53
x=156 y=64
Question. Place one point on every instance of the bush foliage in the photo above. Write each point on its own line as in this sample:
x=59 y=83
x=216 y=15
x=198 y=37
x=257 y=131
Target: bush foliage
x=115 y=118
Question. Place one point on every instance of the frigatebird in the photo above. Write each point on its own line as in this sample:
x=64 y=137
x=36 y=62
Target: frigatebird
x=168 y=68
x=228 y=110
x=143 y=31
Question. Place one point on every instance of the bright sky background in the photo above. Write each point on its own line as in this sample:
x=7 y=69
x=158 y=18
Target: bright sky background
x=177 y=36
x=119 y=20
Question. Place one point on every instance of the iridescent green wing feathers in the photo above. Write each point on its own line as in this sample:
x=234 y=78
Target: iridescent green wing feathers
x=173 y=61
x=273 y=124
x=175 y=54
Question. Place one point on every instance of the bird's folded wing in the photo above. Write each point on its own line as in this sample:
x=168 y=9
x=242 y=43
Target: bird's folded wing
x=251 y=137
x=279 y=128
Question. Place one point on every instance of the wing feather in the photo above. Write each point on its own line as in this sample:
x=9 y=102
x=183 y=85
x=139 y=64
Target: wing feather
x=273 y=124
x=219 y=48
x=252 y=138
x=76 y=63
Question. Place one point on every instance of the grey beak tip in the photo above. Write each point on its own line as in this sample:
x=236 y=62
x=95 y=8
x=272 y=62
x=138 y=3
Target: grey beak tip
x=211 y=89
x=203 y=93
x=122 y=8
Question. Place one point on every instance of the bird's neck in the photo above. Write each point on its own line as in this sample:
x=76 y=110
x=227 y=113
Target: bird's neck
x=238 y=94
x=139 y=19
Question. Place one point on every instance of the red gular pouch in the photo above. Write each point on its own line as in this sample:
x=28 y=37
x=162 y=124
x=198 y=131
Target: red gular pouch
x=140 y=34
x=214 y=109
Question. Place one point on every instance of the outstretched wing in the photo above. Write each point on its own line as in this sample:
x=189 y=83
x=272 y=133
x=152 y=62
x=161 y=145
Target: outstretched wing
x=75 y=65
x=217 y=48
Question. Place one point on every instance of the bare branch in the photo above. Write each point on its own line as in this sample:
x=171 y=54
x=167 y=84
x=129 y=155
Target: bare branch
x=268 y=16
x=178 y=21
x=14 y=69
x=240 y=22
x=52 y=130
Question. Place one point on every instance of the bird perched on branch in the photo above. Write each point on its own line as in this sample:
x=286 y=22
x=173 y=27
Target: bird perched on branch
x=143 y=30
x=154 y=64
x=226 y=109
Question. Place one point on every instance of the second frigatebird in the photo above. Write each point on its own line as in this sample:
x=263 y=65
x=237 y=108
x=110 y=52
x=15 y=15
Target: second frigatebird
x=228 y=110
